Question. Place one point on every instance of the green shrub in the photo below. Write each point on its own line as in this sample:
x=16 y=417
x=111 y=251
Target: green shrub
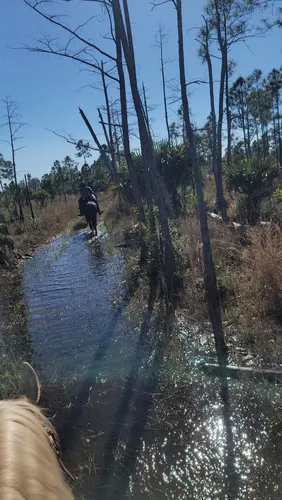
x=277 y=196
x=192 y=203
x=252 y=180
x=41 y=197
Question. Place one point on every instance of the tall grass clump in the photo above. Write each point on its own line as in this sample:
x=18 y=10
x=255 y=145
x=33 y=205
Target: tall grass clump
x=260 y=287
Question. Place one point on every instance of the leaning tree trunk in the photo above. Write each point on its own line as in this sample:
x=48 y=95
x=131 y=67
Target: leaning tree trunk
x=125 y=131
x=99 y=146
x=109 y=117
x=209 y=268
x=146 y=109
x=105 y=130
x=153 y=180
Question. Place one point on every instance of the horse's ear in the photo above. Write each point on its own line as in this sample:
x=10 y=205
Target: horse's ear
x=30 y=386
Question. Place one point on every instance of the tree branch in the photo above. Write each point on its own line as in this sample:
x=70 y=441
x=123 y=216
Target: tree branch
x=162 y=2
x=71 y=140
x=196 y=82
x=54 y=20
x=46 y=48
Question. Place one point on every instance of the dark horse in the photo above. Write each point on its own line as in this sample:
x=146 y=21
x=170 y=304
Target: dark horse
x=89 y=210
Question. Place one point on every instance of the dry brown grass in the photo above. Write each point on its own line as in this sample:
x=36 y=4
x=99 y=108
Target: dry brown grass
x=258 y=308
x=249 y=280
x=226 y=252
x=260 y=284
x=118 y=214
x=58 y=216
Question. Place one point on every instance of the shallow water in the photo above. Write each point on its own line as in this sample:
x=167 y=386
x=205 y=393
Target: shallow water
x=127 y=432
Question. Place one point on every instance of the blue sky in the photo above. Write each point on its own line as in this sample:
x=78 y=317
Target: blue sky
x=51 y=88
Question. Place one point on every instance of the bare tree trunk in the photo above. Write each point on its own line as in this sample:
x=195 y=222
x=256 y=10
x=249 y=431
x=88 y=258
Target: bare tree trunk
x=109 y=116
x=248 y=135
x=146 y=108
x=130 y=62
x=279 y=130
x=228 y=114
x=161 y=42
x=257 y=137
x=154 y=179
x=18 y=200
x=222 y=44
x=219 y=184
x=125 y=130
x=267 y=139
x=28 y=197
x=209 y=269
x=99 y=146
x=117 y=126
x=104 y=129
x=157 y=182
x=274 y=131
x=244 y=129
x=212 y=103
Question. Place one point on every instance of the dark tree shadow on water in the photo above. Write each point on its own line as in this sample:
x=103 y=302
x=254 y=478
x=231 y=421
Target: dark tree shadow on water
x=68 y=432
x=115 y=475
x=124 y=470
x=232 y=477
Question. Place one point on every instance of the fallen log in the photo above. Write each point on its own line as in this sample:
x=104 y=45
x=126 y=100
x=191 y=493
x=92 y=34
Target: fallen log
x=241 y=372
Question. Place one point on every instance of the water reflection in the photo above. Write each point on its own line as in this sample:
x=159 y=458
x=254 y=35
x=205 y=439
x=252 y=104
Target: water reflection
x=137 y=429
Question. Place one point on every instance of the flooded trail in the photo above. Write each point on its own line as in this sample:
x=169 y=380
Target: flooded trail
x=127 y=431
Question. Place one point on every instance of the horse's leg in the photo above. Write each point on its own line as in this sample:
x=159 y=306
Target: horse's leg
x=95 y=223
x=89 y=222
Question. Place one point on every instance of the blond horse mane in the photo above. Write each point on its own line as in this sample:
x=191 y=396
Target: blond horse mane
x=29 y=468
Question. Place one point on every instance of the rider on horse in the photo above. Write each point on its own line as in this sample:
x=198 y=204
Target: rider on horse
x=87 y=194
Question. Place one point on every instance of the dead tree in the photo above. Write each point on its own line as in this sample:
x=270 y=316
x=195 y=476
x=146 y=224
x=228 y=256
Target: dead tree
x=28 y=197
x=204 y=52
x=102 y=150
x=117 y=128
x=109 y=118
x=125 y=127
x=226 y=23
x=223 y=87
x=77 y=47
x=154 y=184
x=14 y=126
x=146 y=106
x=209 y=268
x=85 y=52
x=105 y=130
x=161 y=40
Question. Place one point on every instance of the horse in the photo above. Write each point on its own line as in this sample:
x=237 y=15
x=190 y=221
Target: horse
x=90 y=213
x=29 y=453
